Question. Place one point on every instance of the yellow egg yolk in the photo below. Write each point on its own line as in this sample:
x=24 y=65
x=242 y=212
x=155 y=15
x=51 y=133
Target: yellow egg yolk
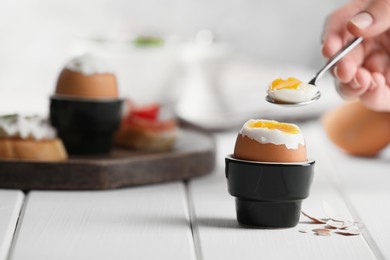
x=290 y=83
x=274 y=125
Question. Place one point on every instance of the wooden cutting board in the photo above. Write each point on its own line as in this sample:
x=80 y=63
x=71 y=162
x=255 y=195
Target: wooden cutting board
x=192 y=156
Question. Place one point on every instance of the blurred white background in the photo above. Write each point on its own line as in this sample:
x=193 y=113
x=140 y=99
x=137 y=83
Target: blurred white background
x=39 y=36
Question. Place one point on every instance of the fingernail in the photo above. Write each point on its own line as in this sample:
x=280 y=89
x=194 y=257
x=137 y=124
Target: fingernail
x=335 y=72
x=373 y=84
x=354 y=84
x=362 y=20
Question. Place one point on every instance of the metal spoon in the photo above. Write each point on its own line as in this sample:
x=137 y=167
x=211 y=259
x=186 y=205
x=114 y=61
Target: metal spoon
x=344 y=51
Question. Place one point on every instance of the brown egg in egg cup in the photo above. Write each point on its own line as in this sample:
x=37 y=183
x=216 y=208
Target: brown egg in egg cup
x=269 y=181
x=86 y=111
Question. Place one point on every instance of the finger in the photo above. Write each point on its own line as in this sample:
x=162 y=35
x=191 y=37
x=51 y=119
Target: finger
x=387 y=75
x=345 y=71
x=377 y=61
x=347 y=67
x=356 y=87
x=377 y=80
x=362 y=79
x=335 y=23
x=372 y=20
x=332 y=45
x=377 y=98
x=335 y=32
x=345 y=91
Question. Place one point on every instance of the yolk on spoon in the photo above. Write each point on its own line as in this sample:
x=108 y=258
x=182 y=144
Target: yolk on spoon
x=289 y=83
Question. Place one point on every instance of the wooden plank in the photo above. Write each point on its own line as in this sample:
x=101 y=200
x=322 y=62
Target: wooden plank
x=218 y=235
x=364 y=184
x=11 y=202
x=138 y=223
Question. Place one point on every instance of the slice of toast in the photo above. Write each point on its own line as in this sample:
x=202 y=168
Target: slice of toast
x=29 y=149
x=141 y=139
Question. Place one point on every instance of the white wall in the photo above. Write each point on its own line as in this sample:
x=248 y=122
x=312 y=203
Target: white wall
x=38 y=36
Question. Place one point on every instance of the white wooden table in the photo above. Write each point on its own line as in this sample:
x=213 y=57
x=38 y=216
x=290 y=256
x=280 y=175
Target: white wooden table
x=196 y=220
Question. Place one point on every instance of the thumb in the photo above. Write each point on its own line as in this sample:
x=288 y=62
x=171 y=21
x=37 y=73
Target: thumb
x=372 y=20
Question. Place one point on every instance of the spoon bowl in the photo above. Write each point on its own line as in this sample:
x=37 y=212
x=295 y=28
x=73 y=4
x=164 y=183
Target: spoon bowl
x=293 y=104
x=340 y=54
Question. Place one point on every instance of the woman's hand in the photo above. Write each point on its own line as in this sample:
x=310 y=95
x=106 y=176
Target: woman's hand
x=365 y=72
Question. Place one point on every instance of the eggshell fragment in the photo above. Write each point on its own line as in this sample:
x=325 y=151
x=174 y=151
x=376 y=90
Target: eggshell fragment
x=339 y=224
x=358 y=130
x=349 y=232
x=322 y=231
x=314 y=219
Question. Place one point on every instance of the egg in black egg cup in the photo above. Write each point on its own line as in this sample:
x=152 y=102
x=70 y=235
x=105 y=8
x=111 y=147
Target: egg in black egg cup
x=268 y=195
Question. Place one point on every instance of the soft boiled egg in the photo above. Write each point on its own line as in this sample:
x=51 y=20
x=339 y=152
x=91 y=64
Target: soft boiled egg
x=270 y=141
x=291 y=90
x=87 y=76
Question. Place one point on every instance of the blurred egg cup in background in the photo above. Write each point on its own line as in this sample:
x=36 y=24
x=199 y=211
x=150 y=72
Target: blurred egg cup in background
x=85 y=108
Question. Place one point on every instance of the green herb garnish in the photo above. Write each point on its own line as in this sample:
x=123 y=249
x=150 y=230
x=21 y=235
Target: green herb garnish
x=148 y=41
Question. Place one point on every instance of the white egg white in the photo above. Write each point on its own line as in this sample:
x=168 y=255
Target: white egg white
x=274 y=136
x=89 y=64
x=304 y=92
x=26 y=127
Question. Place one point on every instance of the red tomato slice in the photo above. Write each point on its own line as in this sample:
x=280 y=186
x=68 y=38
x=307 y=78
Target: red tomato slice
x=149 y=112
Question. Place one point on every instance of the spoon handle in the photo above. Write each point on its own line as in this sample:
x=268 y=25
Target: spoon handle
x=340 y=54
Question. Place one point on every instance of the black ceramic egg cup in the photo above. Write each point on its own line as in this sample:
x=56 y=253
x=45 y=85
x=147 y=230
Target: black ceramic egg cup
x=268 y=195
x=86 y=126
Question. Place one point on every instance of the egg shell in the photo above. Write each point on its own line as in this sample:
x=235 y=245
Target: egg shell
x=358 y=130
x=252 y=150
x=95 y=86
